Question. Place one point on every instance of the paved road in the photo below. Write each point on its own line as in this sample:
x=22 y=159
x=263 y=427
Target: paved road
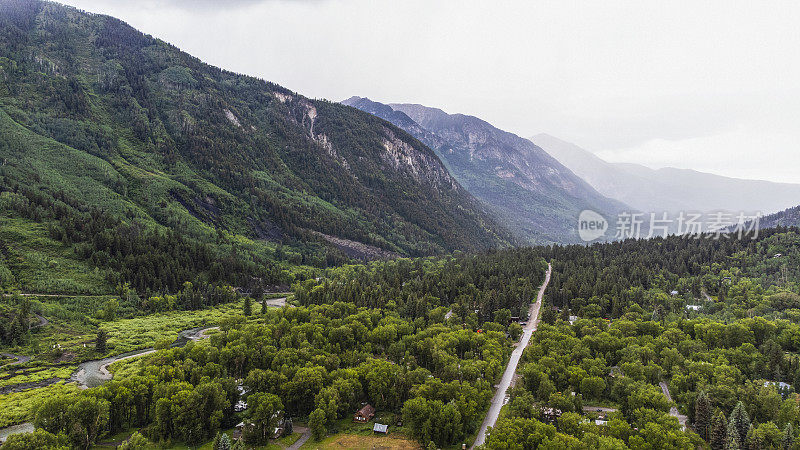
x=500 y=394
x=673 y=411
x=299 y=443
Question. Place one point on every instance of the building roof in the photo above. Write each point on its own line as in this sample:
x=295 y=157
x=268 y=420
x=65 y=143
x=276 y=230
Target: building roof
x=380 y=428
x=366 y=410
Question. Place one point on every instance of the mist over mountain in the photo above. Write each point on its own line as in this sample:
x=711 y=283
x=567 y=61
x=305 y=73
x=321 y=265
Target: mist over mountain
x=670 y=189
x=532 y=193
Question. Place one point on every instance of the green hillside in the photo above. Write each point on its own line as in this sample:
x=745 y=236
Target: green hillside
x=100 y=121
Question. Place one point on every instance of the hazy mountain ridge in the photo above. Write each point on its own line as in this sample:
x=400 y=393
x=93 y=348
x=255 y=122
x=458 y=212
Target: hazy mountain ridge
x=787 y=218
x=529 y=190
x=671 y=189
x=187 y=144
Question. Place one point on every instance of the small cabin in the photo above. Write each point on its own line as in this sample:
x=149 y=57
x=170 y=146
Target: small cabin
x=551 y=415
x=237 y=433
x=240 y=405
x=572 y=319
x=365 y=414
x=283 y=425
x=778 y=384
x=380 y=428
x=783 y=388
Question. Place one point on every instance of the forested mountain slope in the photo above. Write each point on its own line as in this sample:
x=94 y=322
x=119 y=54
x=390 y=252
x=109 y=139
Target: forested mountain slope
x=98 y=115
x=787 y=218
x=529 y=191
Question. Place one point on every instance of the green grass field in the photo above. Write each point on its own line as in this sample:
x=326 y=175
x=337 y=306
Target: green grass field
x=18 y=407
x=362 y=441
x=42 y=265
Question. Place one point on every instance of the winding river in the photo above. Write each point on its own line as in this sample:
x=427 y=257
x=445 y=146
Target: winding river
x=95 y=372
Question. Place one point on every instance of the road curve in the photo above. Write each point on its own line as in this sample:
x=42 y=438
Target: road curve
x=511 y=368
x=673 y=411
x=305 y=435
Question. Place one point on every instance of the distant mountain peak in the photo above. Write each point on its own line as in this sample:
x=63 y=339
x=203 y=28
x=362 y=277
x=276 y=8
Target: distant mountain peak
x=531 y=192
x=670 y=189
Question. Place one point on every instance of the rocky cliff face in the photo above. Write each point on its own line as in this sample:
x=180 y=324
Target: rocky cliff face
x=513 y=157
x=141 y=106
x=530 y=191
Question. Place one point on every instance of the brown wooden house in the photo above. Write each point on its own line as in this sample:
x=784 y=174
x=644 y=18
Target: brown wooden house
x=365 y=414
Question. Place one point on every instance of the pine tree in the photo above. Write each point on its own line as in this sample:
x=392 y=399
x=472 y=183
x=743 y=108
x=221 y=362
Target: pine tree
x=718 y=431
x=248 y=306
x=224 y=442
x=702 y=416
x=740 y=421
x=732 y=441
x=264 y=306
x=754 y=440
x=788 y=436
x=101 y=341
x=797 y=378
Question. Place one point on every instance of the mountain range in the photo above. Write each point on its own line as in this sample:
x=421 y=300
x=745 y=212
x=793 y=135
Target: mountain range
x=104 y=116
x=670 y=189
x=530 y=192
x=97 y=118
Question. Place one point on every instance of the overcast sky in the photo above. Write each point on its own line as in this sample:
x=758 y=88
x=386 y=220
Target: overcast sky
x=711 y=86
